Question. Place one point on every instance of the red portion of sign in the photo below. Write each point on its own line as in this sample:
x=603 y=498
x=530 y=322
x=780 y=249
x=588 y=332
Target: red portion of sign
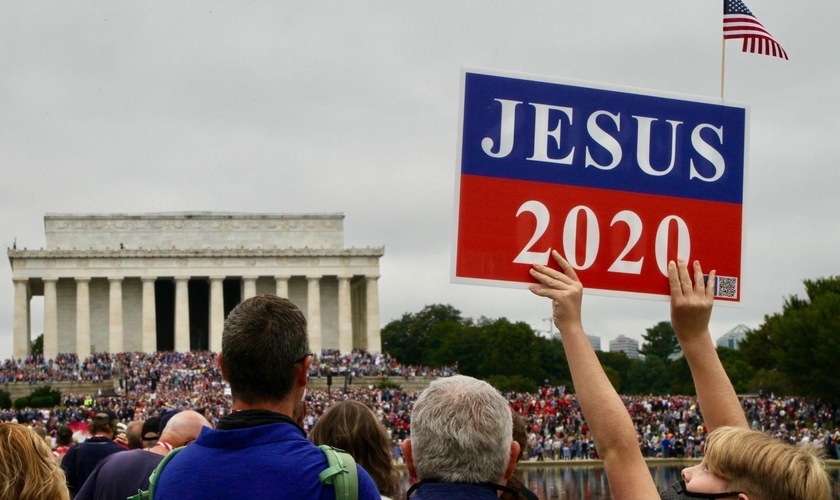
x=491 y=235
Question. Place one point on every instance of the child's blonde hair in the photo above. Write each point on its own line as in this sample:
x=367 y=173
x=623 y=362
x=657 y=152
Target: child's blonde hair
x=27 y=468
x=766 y=468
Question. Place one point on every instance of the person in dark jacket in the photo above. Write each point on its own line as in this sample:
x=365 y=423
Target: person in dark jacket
x=80 y=460
x=123 y=474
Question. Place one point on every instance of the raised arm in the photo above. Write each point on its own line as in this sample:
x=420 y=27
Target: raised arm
x=691 y=309
x=605 y=413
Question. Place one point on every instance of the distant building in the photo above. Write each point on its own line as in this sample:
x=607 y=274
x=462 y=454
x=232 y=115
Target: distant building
x=733 y=337
x=166 y=281
x=628 y=346
x=595 y=341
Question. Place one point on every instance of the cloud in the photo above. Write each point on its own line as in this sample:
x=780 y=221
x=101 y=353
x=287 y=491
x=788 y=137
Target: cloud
x=352 y=107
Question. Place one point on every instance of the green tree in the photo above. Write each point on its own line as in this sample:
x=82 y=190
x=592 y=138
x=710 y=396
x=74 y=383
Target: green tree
x=512 y=353
x=614 y=377
x=552 y=358
x=804 y=339
x=414 y=338
x=511 y=350
x=649 y=377
x=737 y=368
x=617 y=367
x=766 y=382
x=734 y=363
x=681 y=381
x=42 y=397
x=660 y=340
x=5 y=400
x=37 y=346
x=515 y=383
x=463 y=347
x=757 y=349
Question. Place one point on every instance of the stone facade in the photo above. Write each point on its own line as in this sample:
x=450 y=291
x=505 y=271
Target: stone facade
x=166 y=281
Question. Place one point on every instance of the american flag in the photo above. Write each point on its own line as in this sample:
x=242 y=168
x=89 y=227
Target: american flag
x=739 y=22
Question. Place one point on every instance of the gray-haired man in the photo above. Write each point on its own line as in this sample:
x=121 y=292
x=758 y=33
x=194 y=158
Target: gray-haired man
x=461 y=444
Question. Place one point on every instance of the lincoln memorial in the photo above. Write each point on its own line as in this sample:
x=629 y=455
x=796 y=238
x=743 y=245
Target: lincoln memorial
x=166 y=281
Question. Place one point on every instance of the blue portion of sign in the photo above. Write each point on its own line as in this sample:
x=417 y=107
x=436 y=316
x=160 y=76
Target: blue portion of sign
x=631 y=142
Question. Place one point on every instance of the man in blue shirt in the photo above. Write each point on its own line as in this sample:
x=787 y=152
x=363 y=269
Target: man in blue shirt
x=258 y=451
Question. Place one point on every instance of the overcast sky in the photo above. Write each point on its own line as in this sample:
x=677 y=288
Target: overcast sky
x=302 y=107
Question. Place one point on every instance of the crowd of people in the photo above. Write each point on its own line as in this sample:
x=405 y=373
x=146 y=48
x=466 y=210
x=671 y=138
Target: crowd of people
x=64 y=368
x=458 y=438
x=667 y=426
x=362 y=363
x=140 y=370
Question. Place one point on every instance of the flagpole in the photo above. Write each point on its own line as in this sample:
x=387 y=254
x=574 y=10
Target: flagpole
x=722 y=63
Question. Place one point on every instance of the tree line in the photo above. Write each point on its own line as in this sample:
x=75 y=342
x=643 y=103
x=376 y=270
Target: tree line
x=794 y=352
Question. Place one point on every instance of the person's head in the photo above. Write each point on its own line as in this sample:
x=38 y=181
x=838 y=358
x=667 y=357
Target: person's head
x=351 y=426
x=64 y=436
x=757 y=466
x=41 y=432
x=183 y=427
x=265 y=351
x=166 y=416
x=461 y=433
x=27 y=468
x=134 y=434
x=104 y=422
x=150 y=432
x=520 y=433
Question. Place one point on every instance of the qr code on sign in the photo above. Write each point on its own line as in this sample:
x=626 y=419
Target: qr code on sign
x=726 y=288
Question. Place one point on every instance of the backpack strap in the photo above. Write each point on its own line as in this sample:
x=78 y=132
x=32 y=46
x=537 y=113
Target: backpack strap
x=341 y=473
x=153 y=479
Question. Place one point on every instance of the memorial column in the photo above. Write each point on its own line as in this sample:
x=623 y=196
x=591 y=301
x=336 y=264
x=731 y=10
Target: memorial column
x=249 y=287
x=374 y=339
x=182 y=314
x=115 y=315
x=149 y=315
x=83 y=317
x=217 y=312
x=345 y=324
x=21 y=328
x=313 y=313
x=50 y=318
x=282 y=284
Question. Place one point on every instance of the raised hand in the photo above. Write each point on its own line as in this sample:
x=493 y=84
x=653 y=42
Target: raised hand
x=563 y=288
x=691 y=303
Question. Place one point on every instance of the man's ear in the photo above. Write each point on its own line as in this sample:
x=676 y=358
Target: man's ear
x=221 y=363
x=514 y=456
x=303 y=372
x=743 y=496
x=409 y=460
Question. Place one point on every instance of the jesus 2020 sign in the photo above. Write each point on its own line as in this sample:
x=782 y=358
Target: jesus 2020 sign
x=619 y=181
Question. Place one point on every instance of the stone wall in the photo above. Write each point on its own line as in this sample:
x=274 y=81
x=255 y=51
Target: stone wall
x=23 y=389
x=193 y=230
